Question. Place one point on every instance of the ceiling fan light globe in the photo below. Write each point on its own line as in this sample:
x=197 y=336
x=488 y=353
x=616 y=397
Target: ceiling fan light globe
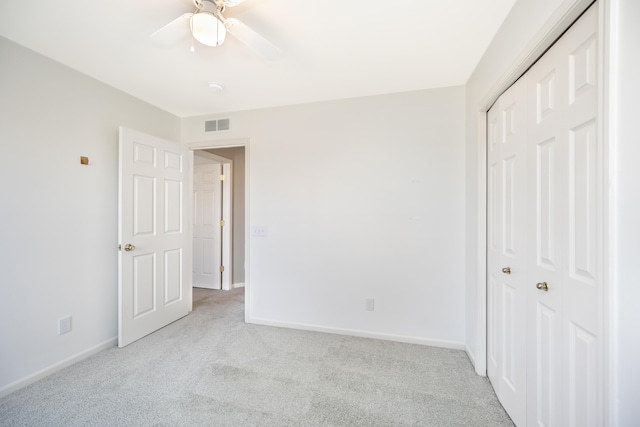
x=207 y=29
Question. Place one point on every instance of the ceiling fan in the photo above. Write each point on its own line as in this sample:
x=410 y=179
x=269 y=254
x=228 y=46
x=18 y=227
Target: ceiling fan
x=208 y=26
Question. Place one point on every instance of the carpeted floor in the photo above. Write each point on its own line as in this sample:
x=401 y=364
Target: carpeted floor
x=212 y=369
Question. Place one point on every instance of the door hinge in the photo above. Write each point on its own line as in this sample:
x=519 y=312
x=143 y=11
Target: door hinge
x=222 y=269
x=222 y=223
x=222 y=177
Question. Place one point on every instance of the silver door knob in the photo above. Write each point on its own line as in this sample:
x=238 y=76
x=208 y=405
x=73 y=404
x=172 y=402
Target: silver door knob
x=506 y=270
x=543 y=286
x=129 y=247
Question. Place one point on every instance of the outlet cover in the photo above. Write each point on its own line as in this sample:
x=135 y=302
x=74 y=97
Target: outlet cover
x=369 y=304
x=64 y=325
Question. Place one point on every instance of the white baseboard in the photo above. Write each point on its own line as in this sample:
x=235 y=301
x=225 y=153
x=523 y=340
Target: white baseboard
x=30 y=379
x=359 y=333
x=470 y=355
x=238 y=285
x=472 y=358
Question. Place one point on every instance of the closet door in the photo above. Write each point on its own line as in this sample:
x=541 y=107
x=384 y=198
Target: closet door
x=564 y=238
x=545 y=238
x=506 y=247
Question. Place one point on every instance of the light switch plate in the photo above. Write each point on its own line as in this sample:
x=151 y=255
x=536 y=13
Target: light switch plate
x=259 y=231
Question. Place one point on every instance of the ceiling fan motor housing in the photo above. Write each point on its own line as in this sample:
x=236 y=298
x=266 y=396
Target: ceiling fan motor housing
x=207 y=26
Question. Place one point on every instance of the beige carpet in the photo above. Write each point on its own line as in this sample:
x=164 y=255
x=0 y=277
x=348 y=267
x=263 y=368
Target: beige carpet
x=212 y=369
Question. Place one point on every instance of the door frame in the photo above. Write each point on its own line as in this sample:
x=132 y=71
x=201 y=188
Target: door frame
x=556 y=25
x=230 y=143
x=226 y=258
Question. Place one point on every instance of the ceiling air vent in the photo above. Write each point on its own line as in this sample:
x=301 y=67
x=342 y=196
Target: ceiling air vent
x=219 y=125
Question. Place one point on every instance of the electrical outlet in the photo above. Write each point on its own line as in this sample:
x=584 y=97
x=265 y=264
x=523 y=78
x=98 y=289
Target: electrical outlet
x=259 y=231
x=64 y=325
x=368 y=304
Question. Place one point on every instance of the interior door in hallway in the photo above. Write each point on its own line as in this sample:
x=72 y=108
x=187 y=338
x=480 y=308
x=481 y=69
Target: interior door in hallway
x=154 y=277
x=207 y=235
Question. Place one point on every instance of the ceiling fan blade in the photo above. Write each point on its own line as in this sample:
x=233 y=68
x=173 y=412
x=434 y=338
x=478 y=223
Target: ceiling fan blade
x=173 y=32
x=252 y=39
x=231 y=3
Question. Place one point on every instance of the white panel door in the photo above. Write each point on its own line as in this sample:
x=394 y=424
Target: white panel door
x=545 y=220
x=154 y=278
x=207 y=236
x=545 y=238
x=564 y=237
x=506 y=263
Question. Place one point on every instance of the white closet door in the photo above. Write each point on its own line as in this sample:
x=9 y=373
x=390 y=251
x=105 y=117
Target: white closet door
x=507 y=258
x=564 y=238
x=545 y=221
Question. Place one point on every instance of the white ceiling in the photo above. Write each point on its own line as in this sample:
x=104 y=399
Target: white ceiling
x=332 y=49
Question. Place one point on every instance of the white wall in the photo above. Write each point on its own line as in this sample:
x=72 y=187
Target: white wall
x=361 y=198
x=626 y=176
x=58 y=219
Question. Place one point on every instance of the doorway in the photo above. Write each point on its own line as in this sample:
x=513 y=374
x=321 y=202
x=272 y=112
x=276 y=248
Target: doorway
x=230 y=163
x=211 y=222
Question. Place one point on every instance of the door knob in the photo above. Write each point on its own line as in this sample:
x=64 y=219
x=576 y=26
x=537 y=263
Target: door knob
x=506 y=270
x=129 y=247
x=542 y=286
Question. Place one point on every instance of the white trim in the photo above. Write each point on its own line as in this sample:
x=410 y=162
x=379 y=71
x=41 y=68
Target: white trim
x=211 y=156
x=481 y=314
x=607 y=62
x=36 y=376
x=237 y=285
x=227 y=216
x=358 y=333
x=470 y=355
x=218 y=143
x=557 y=24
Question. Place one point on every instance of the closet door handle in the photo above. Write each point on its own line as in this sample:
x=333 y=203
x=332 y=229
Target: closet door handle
x=543 y=286
x=506 y=270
